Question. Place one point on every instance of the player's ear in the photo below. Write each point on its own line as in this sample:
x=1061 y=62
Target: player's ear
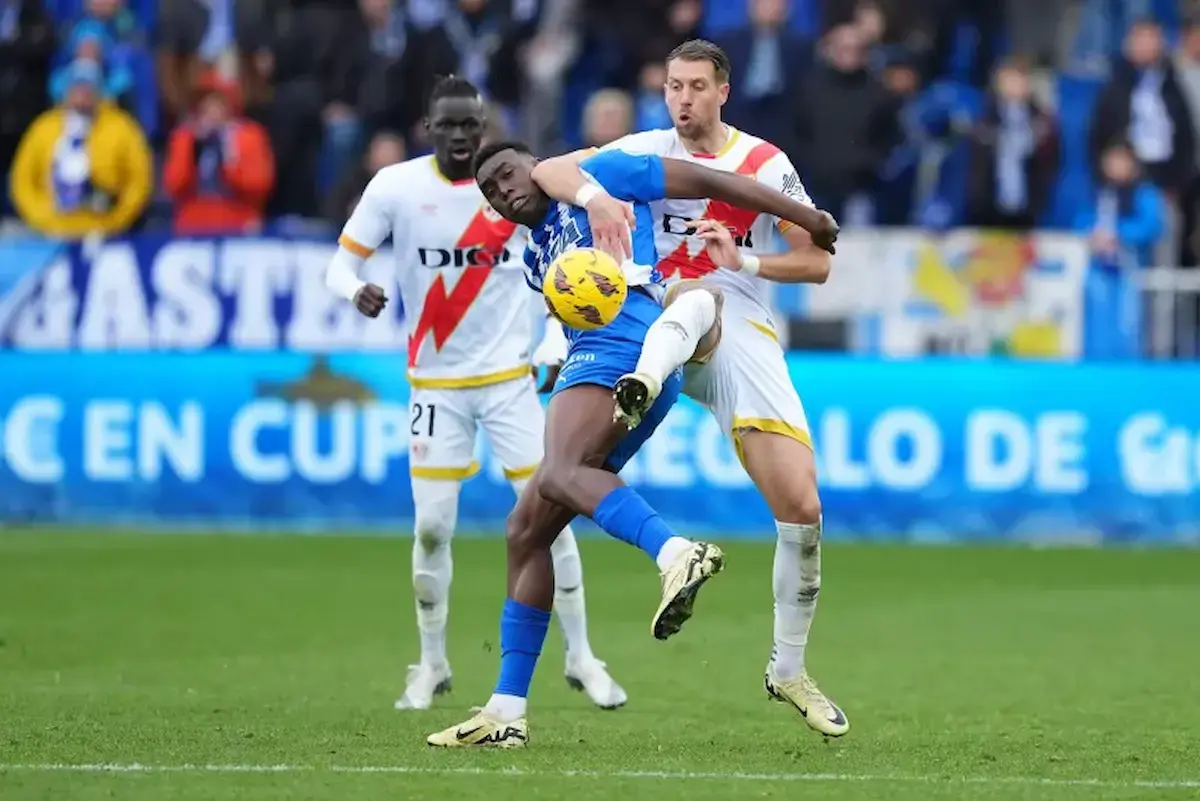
x=425 y=122
x=723 y=92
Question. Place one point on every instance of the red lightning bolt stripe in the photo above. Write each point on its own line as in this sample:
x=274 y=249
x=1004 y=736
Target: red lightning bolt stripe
x=441 y=313
x=738 y=221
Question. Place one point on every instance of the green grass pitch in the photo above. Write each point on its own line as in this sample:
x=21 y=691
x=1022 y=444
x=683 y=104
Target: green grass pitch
x=149 y=667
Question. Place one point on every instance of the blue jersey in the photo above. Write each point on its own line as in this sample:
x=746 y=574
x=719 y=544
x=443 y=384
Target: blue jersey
x=637 y=179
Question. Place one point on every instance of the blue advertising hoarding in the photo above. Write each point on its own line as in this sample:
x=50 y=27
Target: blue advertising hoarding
x=931 y=450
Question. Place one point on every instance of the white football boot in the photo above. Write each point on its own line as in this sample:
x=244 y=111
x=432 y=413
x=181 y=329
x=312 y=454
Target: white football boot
x=423 y=684
x=591 y=676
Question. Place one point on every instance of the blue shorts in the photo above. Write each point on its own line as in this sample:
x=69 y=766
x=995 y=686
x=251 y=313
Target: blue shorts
x=602 y=356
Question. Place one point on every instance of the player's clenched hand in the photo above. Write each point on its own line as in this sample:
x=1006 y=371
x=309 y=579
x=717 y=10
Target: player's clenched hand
x=718 y=243
x=826 y=232
x=370 y=300
x=611 y=220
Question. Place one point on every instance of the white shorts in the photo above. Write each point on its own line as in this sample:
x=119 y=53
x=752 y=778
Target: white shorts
x=445 y=421
x=746 y=383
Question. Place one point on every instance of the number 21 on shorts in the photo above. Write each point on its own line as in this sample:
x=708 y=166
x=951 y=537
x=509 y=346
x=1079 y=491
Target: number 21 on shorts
x=422 y=419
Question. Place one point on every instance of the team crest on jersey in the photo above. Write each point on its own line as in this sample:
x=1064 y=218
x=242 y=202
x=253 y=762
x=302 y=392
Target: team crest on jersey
x=490 y=214
x=561 y=239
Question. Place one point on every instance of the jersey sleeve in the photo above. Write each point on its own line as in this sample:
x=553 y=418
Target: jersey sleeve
x=371 y=221
x=627 y=177
x=643 y=143
x=779 y=174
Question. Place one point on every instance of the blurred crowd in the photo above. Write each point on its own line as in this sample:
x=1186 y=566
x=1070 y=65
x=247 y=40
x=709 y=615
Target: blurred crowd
x=221 y=116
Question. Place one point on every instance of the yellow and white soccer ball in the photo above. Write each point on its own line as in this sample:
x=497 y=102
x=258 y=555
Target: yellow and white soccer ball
x=585 y=289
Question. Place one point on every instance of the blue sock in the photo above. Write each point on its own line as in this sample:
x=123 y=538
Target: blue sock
x=625 y=515
x=522 y=633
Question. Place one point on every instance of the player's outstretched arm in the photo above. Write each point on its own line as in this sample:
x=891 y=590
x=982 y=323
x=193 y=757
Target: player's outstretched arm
x=802 y=263
x=610 y=219
x=687 y=180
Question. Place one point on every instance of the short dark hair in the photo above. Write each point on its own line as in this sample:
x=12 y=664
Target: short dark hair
x=489 y=150
x=453 y=86
x=703 y=50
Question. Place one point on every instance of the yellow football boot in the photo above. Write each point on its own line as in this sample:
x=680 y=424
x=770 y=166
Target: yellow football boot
x=680 y=583
x=483 y=731
x=821 y=714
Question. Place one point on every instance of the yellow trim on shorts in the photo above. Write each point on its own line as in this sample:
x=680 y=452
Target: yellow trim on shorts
x=783 y=226
x=518 y=473
x=770 y=426
x=765 y=329
x=470 y=382
x=445 y=473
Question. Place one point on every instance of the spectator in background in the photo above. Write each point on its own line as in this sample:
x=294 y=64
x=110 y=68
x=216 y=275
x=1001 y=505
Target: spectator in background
x=311 y=56
x=26 y=49
x=651 y=107
x=1144 y=106
x=120 y=23
x=607 y=117
x=219 y=169
x=382 y=76
x=892 y=25
x=769 y=61
x=1014 y=160
x=83 y=168
x=1122 y=226
x=386 y=148
x=490 y=37
x=90 y=41
x=110 y=33
x=195 y=35
x=1187 y=67
x=896 y=199
x=844 y=127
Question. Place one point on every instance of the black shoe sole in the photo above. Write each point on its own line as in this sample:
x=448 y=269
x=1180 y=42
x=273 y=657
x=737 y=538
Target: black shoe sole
x=631 y=396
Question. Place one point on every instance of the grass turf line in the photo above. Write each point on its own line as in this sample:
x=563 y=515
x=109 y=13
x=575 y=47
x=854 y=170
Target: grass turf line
x=985 y=664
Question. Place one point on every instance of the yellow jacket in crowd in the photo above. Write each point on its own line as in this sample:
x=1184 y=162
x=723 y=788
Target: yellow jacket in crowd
x=121 y=171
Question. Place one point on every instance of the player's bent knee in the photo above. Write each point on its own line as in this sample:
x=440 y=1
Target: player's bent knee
x=556 y=484
x=434 y=525
x=801 y=507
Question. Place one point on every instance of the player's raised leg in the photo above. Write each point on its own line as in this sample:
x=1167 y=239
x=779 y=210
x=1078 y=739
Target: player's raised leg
x=436 y=505
x=687 y=330
x=783 y=469
x=585 y=449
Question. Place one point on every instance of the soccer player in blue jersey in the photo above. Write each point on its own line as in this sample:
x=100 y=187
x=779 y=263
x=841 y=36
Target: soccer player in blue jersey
x=585 y=448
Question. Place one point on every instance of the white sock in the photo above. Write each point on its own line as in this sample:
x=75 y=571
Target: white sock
x=505 y=708
x=672 y=339
x=569 y=605
x=797 y=582
x=432 y=571
x=671 y=550
x=436 y=505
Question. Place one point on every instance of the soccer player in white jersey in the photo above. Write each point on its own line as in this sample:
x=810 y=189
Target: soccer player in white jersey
x=461 y=276
x=745 y=380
